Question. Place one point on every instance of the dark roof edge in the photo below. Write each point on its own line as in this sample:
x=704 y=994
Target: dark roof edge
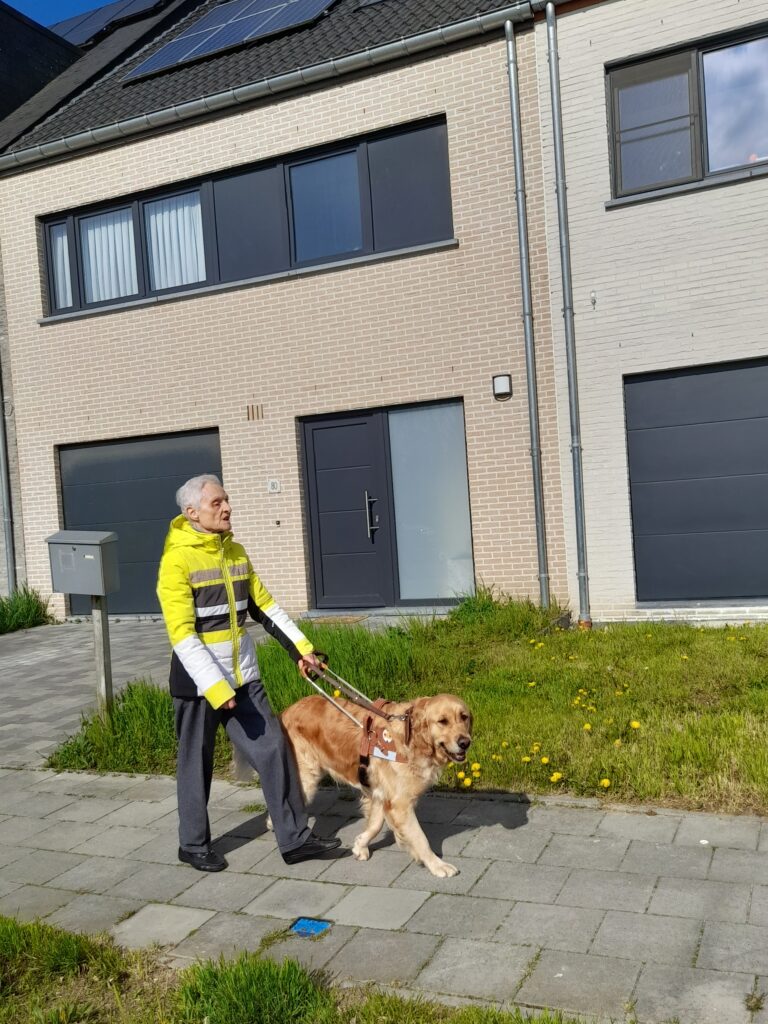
x=443 y=35
x=42 y=30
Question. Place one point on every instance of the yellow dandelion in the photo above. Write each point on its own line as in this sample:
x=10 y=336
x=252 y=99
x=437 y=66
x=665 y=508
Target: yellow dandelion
x=617 y=743
x=539 y=644
x=504 y=743
x=587 y=727
x=731 y=638
x=460 y=775
x=591 y=707
x=634 y=725
x=555 y=776
x=337 y=693
x=531 y=684
x=605 y=783
x=532 y=641
x=467 y=782
x=476 y=775
x=545 y=760
x=583 y=693
x=684 y=657
x=475 y=767
x=526 y=759
x=571 y=657
x=535 y=748
x=618 y=693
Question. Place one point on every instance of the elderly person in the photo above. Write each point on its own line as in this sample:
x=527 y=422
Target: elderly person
x=206 y=585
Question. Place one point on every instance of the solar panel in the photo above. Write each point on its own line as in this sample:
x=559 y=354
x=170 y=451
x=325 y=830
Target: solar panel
x=83 y=27
x=231 y=24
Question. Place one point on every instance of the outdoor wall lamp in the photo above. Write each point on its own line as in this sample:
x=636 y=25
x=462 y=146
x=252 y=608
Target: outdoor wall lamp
x=502 y=387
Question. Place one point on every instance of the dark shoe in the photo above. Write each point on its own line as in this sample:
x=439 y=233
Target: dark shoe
x=315 y=846
x=210 y=861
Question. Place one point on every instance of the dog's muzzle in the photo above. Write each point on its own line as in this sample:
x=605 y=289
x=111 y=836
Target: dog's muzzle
x=459 y=755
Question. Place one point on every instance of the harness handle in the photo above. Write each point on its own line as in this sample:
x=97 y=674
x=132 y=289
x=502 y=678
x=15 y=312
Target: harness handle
x=334 y=680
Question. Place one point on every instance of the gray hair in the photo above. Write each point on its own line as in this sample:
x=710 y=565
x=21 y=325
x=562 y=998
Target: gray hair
x=190 y=494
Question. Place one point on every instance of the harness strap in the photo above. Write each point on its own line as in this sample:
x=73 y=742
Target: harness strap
x=377 y=741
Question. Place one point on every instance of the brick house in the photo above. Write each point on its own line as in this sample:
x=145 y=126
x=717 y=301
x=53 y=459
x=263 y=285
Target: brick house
x=308 y=279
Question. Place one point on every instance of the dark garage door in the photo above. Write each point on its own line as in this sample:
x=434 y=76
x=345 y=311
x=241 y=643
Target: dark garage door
x=129 y=486
x=698 y=467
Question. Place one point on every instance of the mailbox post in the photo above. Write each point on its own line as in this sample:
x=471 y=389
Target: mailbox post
x=85 y=562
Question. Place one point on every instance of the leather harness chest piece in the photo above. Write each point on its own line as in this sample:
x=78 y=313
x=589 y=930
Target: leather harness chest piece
x=378 y=741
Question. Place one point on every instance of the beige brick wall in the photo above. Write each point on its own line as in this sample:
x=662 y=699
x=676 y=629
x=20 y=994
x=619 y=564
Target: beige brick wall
x=678 y=282
x=416 y=329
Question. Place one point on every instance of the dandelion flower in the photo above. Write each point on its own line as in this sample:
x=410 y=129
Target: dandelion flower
x=535 y=748
x=467 y=782
x=617 y=743
x=337 y=693
x=476 y=775
x=587 y=727
x=532 y=641
x=605 y=783
x=555 y=776
x=634 y=725
x=504 y=743
x=545 y=760
x=583 y=692
x=531 y=684
x=684 y=657
x=459 y=775
x=571 y=657
x=526 y=759
x=618 y=693
x=591 y=707
x=540 y=644
x=475 y=767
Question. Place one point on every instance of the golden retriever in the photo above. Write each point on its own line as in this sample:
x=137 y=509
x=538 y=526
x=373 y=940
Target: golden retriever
x=326 y=742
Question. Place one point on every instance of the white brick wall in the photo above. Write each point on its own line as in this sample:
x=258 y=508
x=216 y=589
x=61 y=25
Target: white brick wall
x=679 y=281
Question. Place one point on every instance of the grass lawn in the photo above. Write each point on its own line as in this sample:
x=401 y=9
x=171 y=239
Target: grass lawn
x=667 y=714
x=49 y=976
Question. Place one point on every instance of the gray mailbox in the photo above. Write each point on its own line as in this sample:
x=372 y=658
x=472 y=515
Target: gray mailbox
x=84 y=562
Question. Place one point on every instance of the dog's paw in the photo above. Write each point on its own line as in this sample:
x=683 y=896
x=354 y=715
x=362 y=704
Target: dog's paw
x=360 y=852
x=443 y=870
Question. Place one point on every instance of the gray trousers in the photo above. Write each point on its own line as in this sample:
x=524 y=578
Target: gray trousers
x=255 y=731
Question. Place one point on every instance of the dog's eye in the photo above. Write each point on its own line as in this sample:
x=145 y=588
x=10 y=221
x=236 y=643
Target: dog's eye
x=465 y=718
x=442 y=721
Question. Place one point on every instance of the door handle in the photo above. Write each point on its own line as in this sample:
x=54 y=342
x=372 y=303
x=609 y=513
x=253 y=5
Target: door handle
x=370 y=526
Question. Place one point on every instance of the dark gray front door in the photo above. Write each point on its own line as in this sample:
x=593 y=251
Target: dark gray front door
x=129 y=486
x=349 y=511
x=697 y=442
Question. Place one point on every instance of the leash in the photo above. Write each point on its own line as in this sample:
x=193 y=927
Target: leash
x=375 y=742
x=334 y=680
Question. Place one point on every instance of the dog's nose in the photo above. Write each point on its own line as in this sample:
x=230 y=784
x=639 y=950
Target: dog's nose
x=464 y=742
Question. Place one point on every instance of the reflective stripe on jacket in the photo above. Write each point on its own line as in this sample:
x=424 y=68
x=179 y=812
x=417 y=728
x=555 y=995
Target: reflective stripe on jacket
x=206 y=586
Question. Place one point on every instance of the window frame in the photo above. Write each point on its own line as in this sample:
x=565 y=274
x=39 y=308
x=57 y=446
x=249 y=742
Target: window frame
x=206 y=188
x=638 y=69
x=360 y=150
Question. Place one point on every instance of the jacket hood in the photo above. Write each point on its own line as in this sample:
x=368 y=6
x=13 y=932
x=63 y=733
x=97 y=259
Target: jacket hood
x=182 y=534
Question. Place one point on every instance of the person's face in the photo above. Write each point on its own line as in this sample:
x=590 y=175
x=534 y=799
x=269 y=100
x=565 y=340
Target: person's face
x=214 y=513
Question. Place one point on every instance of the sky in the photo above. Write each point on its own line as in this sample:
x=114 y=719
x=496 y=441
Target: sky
x=47 y=12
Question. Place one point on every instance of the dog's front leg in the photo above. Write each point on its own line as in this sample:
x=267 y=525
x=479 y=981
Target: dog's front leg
x=374 y=813
x=410 y=835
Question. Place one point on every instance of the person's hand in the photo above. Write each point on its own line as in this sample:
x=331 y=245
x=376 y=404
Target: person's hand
x=309 y=663
x=231 y=703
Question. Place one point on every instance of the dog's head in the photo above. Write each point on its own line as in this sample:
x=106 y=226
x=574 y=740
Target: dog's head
x=444 y=725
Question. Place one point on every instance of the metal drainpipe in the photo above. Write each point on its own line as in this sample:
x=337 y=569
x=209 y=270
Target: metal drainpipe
x=5 y=499
x=525 y=280
x=585 y=619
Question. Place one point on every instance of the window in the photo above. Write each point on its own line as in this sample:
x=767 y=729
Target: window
x=108 y=250
x=175 y=250
x=325 y=207
x=387 y=192
x=688 y=116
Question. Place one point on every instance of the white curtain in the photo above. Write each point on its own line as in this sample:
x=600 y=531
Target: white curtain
x=109 y=256
x=175 y=241
x=62 y=281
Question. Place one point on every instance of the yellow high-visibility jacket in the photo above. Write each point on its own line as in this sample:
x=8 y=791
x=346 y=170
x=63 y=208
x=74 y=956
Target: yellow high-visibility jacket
x=206 y=586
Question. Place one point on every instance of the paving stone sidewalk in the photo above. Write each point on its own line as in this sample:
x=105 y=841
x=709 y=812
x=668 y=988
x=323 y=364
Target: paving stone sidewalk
x=614 y=914
x=610 y=913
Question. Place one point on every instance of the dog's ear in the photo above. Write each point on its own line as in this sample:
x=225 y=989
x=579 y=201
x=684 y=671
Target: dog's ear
x=421 y=736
